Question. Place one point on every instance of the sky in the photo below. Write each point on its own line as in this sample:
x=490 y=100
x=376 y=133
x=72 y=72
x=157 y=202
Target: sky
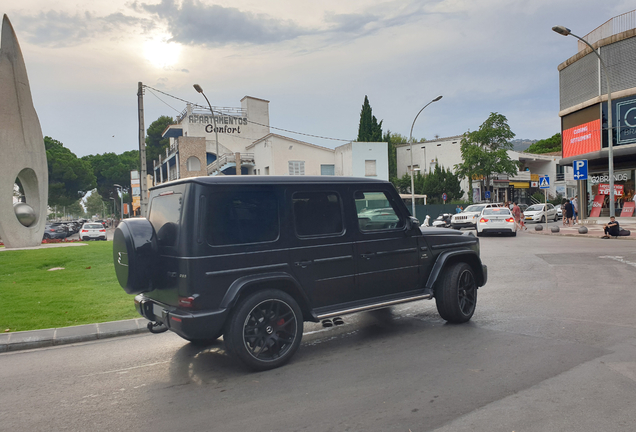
x=314 y=62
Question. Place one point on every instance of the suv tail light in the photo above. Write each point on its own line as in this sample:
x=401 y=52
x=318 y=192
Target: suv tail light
x=510 y=220
x=482 y=220
x=188 y=302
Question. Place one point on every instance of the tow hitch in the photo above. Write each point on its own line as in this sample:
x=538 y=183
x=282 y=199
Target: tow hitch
x=157 y=327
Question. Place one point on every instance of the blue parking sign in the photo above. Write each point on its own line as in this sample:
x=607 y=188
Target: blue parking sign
x=487 y=194
x=580 y=169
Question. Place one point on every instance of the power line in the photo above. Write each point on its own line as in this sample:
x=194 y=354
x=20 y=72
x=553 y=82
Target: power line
x=250 y=121
x=153 y=93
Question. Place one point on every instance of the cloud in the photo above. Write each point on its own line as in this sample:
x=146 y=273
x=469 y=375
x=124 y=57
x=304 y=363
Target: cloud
x=194 y=22
x=61 y=29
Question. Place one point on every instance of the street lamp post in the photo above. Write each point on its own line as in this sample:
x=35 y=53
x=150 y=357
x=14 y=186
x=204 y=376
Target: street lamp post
x=610 y=141
x=198 y=88
x=121 y=190
x=411 y=141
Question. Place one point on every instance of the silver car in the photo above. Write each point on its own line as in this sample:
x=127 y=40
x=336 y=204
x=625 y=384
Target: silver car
x=539 y=213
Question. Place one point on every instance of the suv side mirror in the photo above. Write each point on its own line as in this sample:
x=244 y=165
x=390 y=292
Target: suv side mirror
x=412 y=222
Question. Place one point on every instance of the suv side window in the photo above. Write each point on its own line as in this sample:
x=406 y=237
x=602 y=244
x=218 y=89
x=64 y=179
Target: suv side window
x=375 y=212
x=317 y=213
x=241 y=217
x=165 y=215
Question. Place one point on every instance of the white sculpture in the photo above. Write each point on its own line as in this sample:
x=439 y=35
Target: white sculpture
x=22 y=150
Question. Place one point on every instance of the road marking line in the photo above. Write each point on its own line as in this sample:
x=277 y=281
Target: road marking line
x=124 y=370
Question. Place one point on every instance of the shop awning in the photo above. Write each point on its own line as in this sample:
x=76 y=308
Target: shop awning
x=520 y=185
x=618 y=151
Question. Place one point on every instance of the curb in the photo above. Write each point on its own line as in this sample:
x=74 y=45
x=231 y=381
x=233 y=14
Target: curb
x=32 y=339
x=588 y=235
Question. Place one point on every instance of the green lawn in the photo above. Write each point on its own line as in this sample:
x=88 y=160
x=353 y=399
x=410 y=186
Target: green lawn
x=85 y=292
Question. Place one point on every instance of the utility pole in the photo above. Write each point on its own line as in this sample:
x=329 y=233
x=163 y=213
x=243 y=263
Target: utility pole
x=143 y=199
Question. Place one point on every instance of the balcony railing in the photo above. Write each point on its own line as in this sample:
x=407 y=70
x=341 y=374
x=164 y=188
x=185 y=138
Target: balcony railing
x=616 y=25
x=230 y=158
x=568 y=176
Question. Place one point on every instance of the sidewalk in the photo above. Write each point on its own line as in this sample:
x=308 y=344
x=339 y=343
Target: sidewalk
x=594 y=230
x=17 y=341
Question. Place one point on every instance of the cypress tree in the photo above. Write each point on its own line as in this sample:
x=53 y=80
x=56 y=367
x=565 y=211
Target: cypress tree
x=369 y=129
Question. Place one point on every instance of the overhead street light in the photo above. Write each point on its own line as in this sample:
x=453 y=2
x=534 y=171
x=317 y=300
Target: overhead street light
x=121 y=190
x=411 y=141
x=610 y=141
x=198 y=88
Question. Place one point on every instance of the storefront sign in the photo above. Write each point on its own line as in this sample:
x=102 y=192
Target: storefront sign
x=626 y=111
x=582 y=139
x=621 y=176
x=534 y=184
x=604 y=189
x=628 y=209
x=597 y=205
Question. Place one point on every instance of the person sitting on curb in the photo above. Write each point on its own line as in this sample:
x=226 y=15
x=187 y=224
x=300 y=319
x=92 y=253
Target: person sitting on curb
x=611 y=228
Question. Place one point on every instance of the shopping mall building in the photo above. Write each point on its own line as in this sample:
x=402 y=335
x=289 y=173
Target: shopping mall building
x=583 y=112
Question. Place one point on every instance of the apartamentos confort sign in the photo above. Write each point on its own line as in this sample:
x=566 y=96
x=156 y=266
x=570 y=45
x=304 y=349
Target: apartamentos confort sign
x=224 y=123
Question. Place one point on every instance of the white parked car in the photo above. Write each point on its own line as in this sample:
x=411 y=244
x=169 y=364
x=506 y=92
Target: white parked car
x=496 y=220
x=93 y=231
x=538 y=213
x=468 y=218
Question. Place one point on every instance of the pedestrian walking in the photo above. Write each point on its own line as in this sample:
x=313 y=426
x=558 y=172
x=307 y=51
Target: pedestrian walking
x=516 y=214
x=568 y=212
x=575 y=206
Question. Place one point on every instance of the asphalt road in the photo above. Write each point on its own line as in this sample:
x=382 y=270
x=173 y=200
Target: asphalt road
x=552 y=347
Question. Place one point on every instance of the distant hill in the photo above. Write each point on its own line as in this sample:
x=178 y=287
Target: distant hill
x=521 y=145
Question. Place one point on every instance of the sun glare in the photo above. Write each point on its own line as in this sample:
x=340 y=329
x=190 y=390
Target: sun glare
x=162 y=54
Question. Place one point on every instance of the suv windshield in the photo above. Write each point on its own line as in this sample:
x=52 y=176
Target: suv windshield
x=536 y=207
x=474 y=208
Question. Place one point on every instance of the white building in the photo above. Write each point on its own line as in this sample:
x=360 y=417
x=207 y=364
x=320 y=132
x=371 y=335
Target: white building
x=447 y=153
x=246 y=147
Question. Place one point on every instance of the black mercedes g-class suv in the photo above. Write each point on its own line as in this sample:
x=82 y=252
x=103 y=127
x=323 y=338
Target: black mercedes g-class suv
x=251 y=258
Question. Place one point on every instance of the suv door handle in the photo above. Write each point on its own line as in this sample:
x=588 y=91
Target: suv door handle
x=303 y=264
x=367 y=256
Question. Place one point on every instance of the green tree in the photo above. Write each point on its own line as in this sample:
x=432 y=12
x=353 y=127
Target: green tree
x=485 y=152
x=111 y=169
x=155 y=144
x=95 y=205
x=548 y=145
x=438 y=182
x=369 y=129
x=70 y=178
x=393 y=139
x=76 y=210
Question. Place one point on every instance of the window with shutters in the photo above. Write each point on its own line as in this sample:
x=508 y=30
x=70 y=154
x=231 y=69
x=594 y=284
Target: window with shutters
x=296 y=167
x=369 y=168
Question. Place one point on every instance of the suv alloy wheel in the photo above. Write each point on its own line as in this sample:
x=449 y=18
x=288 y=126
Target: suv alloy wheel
x=456 y=293
x=265 y=329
